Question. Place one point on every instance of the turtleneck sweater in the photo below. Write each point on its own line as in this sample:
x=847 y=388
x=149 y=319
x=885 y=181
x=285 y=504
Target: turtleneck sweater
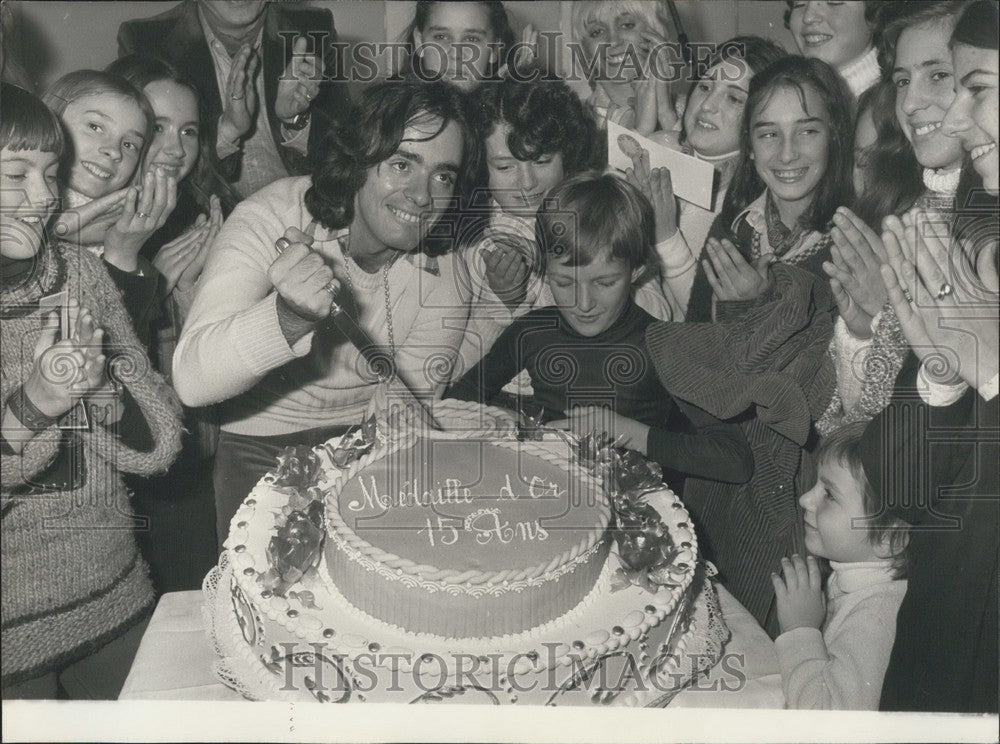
x=568 y=369
x=841 y=666
x=862 y=73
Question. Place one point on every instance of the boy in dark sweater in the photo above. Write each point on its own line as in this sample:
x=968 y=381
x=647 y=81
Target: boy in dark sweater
x=586 y=356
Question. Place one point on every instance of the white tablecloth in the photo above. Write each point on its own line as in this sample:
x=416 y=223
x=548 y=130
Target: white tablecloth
x=175 y=658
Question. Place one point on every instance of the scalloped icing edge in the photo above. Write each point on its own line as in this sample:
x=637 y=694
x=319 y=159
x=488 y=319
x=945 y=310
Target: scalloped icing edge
x=270 y=501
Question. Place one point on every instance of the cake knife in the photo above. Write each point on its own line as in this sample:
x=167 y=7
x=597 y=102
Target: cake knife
x=370 y=350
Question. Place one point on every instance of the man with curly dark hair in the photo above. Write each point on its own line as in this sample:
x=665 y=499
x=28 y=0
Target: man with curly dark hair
x=361 y=230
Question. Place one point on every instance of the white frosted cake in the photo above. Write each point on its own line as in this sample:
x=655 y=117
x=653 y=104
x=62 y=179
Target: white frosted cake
x=463 y=567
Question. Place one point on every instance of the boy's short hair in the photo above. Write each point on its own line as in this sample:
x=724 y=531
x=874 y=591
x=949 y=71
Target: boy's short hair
x=592 y=213
x=844 y=447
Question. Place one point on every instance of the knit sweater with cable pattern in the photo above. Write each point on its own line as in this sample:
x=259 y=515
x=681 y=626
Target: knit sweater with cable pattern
x=73 y=579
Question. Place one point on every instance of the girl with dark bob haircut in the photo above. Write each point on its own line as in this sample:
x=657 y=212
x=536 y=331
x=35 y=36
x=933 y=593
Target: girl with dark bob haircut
x=380 y=116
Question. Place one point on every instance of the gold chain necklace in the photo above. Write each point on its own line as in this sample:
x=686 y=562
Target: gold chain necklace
x=345 y=249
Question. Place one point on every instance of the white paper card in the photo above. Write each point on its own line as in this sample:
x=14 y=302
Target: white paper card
x=692 y=178
x=57 y=303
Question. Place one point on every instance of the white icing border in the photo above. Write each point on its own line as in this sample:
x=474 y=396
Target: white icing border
x=246 y=549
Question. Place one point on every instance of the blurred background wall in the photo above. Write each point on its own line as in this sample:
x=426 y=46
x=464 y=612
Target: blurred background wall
x=53 y=38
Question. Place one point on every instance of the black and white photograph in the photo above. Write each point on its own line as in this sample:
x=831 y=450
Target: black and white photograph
x=542 y=361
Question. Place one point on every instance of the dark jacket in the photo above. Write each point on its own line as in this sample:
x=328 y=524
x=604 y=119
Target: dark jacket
x=177 y=37
x=769 y=366
x=936 y=468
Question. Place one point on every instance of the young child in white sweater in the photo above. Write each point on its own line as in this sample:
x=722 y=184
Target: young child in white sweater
x=834 y=647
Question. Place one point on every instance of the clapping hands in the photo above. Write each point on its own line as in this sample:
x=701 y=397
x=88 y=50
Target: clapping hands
x=731 y=276
x=181 y=261
x=656 y=186
x=947 y=304
x=857 y=253
x=527 y=51
x=239 y=99
x=69 y=368
x=299 y=84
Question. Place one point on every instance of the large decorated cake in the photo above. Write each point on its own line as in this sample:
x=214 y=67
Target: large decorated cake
x=406 y=564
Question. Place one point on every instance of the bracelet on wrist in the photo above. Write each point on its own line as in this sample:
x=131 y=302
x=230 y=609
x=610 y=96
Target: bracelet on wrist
x=30 y=416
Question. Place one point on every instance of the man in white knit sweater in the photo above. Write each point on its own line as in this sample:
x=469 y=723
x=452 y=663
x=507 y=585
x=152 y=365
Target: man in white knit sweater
x=835 y=656
x=257 y=338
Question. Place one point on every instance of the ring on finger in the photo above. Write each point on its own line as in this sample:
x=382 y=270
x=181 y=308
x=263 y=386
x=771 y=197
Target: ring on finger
x=281 y=244
x=946 y=289
x=142 y=215
x=907 y=295
x=332 y=287
x=236 y=98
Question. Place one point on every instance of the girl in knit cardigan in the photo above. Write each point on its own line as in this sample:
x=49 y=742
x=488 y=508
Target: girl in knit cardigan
x=80 y=404
x=913 y=163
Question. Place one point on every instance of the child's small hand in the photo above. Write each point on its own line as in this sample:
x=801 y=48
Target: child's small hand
x=800 y=594
x=507 y=273
x=584 y=420
x=191 y=274
x=177 y=256
x=70 y=368
x=731 y=277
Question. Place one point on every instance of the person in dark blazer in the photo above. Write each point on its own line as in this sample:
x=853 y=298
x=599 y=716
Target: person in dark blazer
x=265 y=110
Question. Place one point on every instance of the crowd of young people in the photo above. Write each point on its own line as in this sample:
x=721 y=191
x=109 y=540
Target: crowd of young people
x=812 y=361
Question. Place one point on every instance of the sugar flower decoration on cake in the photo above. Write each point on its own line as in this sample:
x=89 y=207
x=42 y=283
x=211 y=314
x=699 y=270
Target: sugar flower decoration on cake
x=295 y=549
x=298 y=469
x=297 y=545
x=645 y=548
x=355 y=445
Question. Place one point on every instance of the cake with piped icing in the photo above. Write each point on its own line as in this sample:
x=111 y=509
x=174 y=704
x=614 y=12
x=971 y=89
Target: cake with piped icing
x=467 y=538
x=465 y=566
